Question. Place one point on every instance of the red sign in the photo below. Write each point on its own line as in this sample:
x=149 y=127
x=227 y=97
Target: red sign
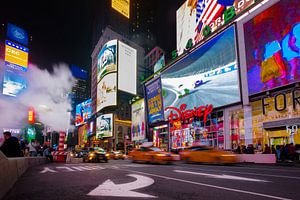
x=183 y=114
x=31 y=118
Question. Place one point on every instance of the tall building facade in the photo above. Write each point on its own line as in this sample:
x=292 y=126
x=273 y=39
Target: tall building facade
x=80 y=90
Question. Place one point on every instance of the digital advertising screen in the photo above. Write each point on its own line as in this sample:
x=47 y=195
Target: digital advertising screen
x=154 y=101
x=159 y=64
x=127 y=67
x=122 y=6
x=194 y=15
x=107 y=91
x=104 y=126
x=13 y=83
x=83 y=112
x=107 y=59
x=17 y=34
x=16 y=56
x=138 y=126
x=208 y=75
x=272 y=43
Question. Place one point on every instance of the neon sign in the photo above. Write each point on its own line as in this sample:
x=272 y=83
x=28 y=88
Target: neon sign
x=183 y=114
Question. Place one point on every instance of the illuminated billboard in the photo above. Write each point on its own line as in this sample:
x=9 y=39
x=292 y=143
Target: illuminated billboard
x=122 y=6
x=208 y=75
x=138 y=127
x=272 y=42
x=107 y=59
x=195 y=17
x=83 y=112
x=16 y=56
x=107 y=91
x=104 y=126
x=127 y=67
x=13 y=83
x=155 y=108
x=17 y=34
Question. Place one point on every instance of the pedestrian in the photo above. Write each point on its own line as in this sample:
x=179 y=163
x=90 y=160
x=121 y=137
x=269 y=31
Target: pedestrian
x=291 y=152
x=278 y=153
x=47 y=153
x=32 y=148
x=273 y=150
x=238 y=149
x=11 y=146
x=267 y=149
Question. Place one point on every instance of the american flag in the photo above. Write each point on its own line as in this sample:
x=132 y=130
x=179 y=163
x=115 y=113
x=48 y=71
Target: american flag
x=208 y=11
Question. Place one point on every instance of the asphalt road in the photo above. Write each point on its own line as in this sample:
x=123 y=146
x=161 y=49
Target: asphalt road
x=126 y=180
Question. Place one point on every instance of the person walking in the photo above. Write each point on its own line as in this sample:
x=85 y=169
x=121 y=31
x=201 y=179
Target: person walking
x=11 y=146
x=32 y=148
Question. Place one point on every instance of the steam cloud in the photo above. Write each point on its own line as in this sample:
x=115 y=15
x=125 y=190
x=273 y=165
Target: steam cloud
x=46 y=92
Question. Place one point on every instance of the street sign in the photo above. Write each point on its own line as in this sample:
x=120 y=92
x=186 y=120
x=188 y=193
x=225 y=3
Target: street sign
x=109 y=188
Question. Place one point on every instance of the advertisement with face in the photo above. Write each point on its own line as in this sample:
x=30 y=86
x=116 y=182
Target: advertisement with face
x=107 y=59
x=154 y=101
x=107 y=91
x=127 y=67
x=208 y=75
x=194 y=15
x=138 y=120
x=13 y=83
x=83 y=112
x=273 y=47
x=104 y=126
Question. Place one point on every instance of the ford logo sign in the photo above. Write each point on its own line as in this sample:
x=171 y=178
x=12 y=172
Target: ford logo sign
x=18 y=34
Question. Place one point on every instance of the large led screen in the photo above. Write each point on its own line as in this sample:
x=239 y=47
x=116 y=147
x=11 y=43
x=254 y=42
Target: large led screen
x=127 y=65
x=138 y=127
x=83 y=112
x=155 y=108
x=13 y=83
x=107 y=91
x=17 y=34
x=194 y=15
x=208 y=75
x=104 y=126
x=16 y=56
x=107 y=59
x=272 y=42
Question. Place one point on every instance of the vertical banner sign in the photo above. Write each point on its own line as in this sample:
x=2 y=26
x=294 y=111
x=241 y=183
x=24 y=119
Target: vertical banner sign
x=154 y=101
x=16 y=56
x=17 y=34
x=31 y=116
x=138 y=120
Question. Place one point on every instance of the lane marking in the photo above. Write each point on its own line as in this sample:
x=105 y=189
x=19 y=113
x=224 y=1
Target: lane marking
x=109 y=188
x=212 y=186
x=47 y=169
x=67 y=168
x=248 y=173
x=222 y=176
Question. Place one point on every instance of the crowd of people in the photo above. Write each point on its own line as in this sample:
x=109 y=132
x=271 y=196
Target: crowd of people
x=287 y=152
x=12 y=147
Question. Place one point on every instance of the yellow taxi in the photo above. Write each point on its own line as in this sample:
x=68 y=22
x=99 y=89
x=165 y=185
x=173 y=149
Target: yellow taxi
x=117 y=155
x=151 y=155
x=205 y=154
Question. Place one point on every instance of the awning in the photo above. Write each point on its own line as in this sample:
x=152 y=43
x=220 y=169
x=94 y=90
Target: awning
x=281 y=123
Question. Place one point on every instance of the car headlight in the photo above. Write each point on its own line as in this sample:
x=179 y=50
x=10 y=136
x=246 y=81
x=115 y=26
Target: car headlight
x=228 y=155
x=107 y=154
x=92 y=154
x=160 y=154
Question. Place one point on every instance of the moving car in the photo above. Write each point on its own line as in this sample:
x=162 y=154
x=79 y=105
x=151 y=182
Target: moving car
x=151 y=155
x=117 y=155
x=96 y=155
x=205 y=154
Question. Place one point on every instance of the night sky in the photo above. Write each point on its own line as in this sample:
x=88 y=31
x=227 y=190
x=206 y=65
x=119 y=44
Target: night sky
x=62 y=30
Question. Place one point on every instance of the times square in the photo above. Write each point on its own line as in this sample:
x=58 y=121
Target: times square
x=149 y=99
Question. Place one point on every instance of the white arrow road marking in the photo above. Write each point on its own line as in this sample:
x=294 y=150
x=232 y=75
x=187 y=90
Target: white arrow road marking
x=67 y=168
x=109 y=188
x=211 y=186
x=47 y=169
x=222 y=176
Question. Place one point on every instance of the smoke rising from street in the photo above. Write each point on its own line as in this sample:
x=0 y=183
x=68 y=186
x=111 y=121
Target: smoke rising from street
x=46 y=92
